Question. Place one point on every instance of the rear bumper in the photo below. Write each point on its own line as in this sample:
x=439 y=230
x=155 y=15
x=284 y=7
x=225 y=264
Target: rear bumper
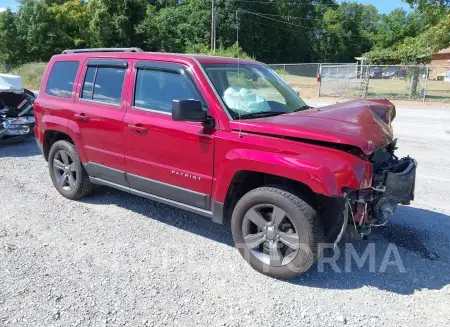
x=4 y=125
x=14 y=130
x=39 y=139
x=17 y=126
x=39 y=145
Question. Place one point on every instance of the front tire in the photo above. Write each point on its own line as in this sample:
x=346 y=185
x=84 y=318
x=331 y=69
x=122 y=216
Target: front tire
x=277 y=232
x=67 y=172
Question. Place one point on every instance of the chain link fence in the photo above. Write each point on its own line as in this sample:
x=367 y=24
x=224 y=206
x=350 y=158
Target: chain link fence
x=340 y=80
x=438 y=86
x=301 y=77
x=368 y=81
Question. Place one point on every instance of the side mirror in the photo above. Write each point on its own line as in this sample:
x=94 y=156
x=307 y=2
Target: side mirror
x=188 y=110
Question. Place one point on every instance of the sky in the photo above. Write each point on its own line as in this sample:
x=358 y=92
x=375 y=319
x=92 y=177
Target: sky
x=384 y=6
x=7 y=3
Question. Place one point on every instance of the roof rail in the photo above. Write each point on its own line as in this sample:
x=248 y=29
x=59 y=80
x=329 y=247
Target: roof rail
x=103 y=50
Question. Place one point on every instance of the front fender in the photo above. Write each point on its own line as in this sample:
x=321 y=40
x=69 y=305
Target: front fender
x=324 y=171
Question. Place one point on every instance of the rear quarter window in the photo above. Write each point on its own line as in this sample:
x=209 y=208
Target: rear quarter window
x=62 y=78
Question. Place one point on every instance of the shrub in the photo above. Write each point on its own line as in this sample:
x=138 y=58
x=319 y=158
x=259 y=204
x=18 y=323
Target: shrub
x=31 y=74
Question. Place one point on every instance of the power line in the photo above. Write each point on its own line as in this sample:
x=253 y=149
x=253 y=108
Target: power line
x=279 y=27
x=317 y=32
x=291 y=3
x=293 y=30
x=275 y=26
x=276 y=20
x=302 y=18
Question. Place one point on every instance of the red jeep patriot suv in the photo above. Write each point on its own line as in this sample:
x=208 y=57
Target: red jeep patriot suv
x=227 y=139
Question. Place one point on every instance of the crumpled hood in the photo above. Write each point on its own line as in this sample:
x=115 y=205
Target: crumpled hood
x=362 y=123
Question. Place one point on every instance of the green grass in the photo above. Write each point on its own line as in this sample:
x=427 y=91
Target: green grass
x=31 y=74
x=438 y=91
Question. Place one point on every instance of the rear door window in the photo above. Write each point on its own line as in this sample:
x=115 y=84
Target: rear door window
x=62 y=77
x=103 y=84
x=156 y=89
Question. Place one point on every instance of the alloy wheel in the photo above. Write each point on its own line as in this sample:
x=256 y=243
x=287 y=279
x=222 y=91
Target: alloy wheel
x=270 y=235
x=64 y=170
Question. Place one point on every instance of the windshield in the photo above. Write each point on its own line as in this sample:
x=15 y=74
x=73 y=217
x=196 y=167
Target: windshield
x=253 y=90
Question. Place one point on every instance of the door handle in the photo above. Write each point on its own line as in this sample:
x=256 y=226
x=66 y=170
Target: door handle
x=81 y=117
x=138 y=129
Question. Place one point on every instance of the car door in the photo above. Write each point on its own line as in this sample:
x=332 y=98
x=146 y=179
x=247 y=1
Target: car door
x=167 y=158
x=98 y=113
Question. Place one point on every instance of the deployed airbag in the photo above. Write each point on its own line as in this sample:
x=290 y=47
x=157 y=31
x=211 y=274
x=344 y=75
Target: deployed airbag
x=244 y=100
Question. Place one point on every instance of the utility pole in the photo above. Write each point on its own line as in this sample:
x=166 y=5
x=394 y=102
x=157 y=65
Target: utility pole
x=213 y=27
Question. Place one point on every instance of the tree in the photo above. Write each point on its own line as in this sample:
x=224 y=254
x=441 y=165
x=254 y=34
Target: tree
x=423 y=33
x=396 y=26
x=113 y=22
x=72 y=23
x=424 y=5
x=347 y=31
x=147 y=31
x=433 y=10
x=9 y=39
x=280 y=31
x=272 y=31
x=36 y=31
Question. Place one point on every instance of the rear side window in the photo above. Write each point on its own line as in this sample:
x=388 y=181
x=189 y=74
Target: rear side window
x=88 y=86
x=156 y=89
x=103 y=84
x=62 y=77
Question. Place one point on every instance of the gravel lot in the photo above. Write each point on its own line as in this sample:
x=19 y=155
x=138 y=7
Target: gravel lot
x=114 y=259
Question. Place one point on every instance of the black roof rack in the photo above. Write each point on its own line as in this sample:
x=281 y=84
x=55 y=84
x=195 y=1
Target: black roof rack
x=103 y=50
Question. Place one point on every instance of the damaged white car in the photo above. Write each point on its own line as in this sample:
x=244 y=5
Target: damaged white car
x=16 y=110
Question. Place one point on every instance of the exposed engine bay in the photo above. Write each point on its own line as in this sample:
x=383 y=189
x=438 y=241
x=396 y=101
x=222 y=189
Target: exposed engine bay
x=16 y=110
x=393 y=183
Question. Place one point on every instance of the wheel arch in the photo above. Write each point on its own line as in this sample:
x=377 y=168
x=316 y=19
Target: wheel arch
x=317 y=176
x=50 y=137
x=246 y=180
x=330 y=209
x=70 y=134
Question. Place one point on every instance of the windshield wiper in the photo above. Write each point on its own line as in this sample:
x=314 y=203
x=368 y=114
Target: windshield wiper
x=261 y=114
x=305 y=107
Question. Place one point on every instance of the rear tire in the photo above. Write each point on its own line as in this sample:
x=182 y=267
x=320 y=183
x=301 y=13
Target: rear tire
x=67 y=172
x=277 y=232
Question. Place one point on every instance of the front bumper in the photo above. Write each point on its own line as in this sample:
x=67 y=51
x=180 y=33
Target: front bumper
x=393 y=184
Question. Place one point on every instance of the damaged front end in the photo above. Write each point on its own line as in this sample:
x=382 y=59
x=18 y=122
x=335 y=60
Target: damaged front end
x=393 y=183
x=16 y=110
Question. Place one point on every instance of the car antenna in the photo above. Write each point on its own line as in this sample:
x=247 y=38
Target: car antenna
x=238 y=59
